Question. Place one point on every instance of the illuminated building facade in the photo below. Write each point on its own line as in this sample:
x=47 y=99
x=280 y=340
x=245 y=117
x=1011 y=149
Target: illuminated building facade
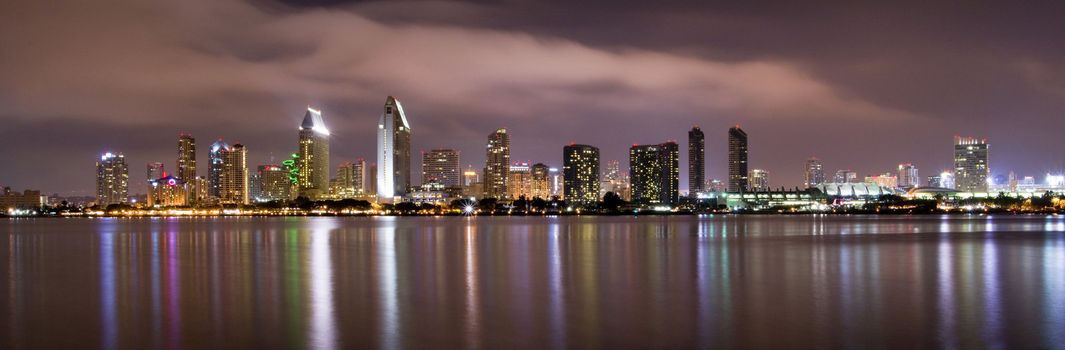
x=520 y=181
x=313 y=180
x=470 y=176
x=759 y=179
x=343 y=186
x=737 y=160
x=167 y=191
x=186 y=161
x=155 y=171
x=27 y=200
x=580 y=174
x=696 y=161
x=814 y=172
x=884 y=180
x=654 y=172
x=112 y=180
x=497 y=164
x=358 y=169
x=845 y=176
x=198 y=190
x=214 y=168
x=541 y=184
x=274 y=183
x=970 y=164
x=908 y=176
x=393 y=151
x=441 y=166
x=234 y=175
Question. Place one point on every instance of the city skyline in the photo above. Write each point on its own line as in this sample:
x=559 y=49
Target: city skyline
x=244 y=83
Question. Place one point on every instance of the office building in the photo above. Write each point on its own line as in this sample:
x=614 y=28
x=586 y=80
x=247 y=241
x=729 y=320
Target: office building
x=845 y=176
x=696 y=161
x=908 y=177
x=214 y=168
x=27 y=200
x=654 y=172
x=737 y=161
x=520 y=181
x=393 y=151
x=580 y=174
x=112 y=180
x=234 y=175
x=814 y=172
x=155 y=171
x=313 y=179
x=274 y=183
x=970 y=164
x=557 y=182
x=759 y=179
x=541 y=184
x=441 y=166
x=470 y=176
x=358 y=169
x=186 y=161
x=343 y=185
x=497 y=164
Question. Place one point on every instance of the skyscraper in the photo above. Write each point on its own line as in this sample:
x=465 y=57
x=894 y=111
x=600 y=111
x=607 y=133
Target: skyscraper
x=907 y=176
x=112 y=180
x=275 y=184
x=541 y=187
x=815 y=172
x=737 y=160
x=580 y=174
x=759 y=179
x=654 y=172
x=313 y=177
x=696 y=161
x=186 y=161
x=970 y=164
x=470 y=176
x=359 y=172
x=343 y=186
x=214 y=168
x=497 y=164
x=234 y=175
x=155 y=171
x=393 y=151
x=441 y=166
x=520 y=181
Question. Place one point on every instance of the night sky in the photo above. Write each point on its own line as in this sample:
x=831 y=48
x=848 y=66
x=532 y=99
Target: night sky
x=860 y=86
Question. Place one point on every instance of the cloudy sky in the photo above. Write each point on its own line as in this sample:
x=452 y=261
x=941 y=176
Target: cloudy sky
x=862 y=86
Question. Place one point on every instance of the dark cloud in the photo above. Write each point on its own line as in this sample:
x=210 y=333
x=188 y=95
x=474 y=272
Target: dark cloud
x=863 y=85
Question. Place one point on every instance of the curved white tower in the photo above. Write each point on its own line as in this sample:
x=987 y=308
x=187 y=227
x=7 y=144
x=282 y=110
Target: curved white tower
x=393 y=152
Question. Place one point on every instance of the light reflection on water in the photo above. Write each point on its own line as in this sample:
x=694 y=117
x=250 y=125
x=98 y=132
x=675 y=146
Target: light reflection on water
x=455 y=282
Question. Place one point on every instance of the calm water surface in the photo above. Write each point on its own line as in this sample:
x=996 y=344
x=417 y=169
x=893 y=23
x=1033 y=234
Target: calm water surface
x=494 y=283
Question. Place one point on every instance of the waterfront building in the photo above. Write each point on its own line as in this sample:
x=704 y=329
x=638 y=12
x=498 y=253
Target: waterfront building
x=556 y=182
x=947 y=180
x=155 y=171
x=27 y=200
x=186 y=161
x=715 y=185
x=274 y=183
x=614 y=180
x=814 y=172
x=441 y=166
x=580 y=168
x=199 y=190
x=214 y=168
x=234 y=175
x=654 y=172
x=313 y=178
x=908 y=177
x=845 y=176
x=470 y=176
x=343 y=185
x=167 y=191
x=255 y=186
x=112 y=179
x=737 y=160
x=497 y=164
x=520 y=181
x=759 y=179
x=358 y=177
x=696 y=161
x=540 y=181
x=970 y=164
x=371 y=180
x=393 y=151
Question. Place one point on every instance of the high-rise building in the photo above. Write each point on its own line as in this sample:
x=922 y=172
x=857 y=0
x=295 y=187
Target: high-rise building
x=186 y=161
x=313 y=159
x=884 y=180
x=441 y=166
x=234 y=175
x=1012 y=182
x=654 y=172
x=371 y=180
x=556 y=182
x=908 y=177
x=815 y=172
x=520 y=181
x=358 y=169
x=696 y=161
x=198 y=190
x=497 y=164
x=470 y=176
x=167 y=191
x=541 y=184
x=214 y=168
x=614 y=180
x=275 y=184
x=845 y=176
x=970 y=164
x=343 y=186
x=947 y=180
x=393 y=151
x=155 y=171
x=759 y=179
x=737 y=160
x=255 y=186
x=580 y=174
x=112 y=180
